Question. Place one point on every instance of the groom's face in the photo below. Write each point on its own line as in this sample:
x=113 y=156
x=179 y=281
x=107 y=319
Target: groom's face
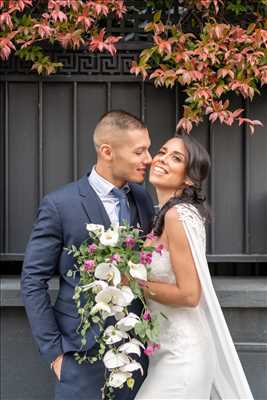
x=131 y=157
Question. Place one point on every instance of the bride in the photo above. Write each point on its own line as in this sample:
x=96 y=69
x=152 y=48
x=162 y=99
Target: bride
x=197 y=358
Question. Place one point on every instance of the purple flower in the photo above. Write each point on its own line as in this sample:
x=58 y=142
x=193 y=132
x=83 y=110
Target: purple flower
x=92 y=248
x=89 y=265
x=130 y=242
x=145 y=257
x=147 y=316
x=159 y=248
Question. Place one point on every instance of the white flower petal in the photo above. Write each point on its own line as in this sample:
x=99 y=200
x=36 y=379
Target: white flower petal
x=109 y=238
x=138 y=271
x=95 y=228
x=127 y=323
x=132 y=366
x=105 y=315
x=119 y=315
x=101 y=306
x=130 y=348
x=108 y=272
x=100 y=284
x=135 y=341
x=128 y=294
x=113 y=335
x=116 y=275
x=115 y=360
x=103 y=271
x=111 y=295
x=115 y=308
x=116 y=379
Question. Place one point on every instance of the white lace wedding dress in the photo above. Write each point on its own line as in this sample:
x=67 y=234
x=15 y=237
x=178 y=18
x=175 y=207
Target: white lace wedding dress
x=197 y=358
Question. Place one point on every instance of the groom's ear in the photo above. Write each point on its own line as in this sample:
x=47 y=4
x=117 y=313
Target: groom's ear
x=105 y=151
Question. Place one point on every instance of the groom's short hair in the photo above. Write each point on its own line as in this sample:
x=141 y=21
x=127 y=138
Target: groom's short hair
x=115 y=123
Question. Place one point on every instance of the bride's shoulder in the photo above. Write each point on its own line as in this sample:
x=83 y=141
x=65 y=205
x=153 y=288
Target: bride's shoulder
x=188 y=213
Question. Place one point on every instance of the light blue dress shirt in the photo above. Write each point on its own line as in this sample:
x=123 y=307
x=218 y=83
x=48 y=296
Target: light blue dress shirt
x=103 y=189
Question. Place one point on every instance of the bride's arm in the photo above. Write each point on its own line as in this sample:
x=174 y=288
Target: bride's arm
x=187 y=290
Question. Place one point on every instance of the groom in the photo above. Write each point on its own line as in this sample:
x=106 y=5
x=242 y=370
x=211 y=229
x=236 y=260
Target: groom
x=110 y=193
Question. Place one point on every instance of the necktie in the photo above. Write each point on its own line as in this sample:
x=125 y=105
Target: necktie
x=124 y=212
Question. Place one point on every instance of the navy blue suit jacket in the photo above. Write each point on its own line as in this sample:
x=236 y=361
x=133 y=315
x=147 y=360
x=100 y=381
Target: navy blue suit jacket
x=61 y=222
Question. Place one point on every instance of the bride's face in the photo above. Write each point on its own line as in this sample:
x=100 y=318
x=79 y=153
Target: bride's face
x=168 y=168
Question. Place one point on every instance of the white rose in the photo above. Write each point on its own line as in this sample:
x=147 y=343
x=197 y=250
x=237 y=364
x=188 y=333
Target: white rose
x=109 y=238
x=95 y=228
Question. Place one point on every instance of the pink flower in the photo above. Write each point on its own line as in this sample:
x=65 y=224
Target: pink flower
x=145 y=258
x=151 y=236
x=92 y=248
x=149 y=351
x=115 y=257
x=89 y=265
x=159 y=248
x=156 y=346
x=130 y=242
x=147 y=316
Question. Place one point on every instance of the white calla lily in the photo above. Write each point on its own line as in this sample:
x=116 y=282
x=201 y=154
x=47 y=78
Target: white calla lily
x=128 y=323
x=100 y=306
x=138 y=271
x=108 y=272
x=95 y=228
x=109 y=238
x=116 y=379
x=132 y=366
x=115 y=360
x=130 y=348
x=113 y=335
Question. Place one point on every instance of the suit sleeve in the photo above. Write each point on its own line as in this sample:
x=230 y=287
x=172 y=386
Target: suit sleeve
x=42 y=253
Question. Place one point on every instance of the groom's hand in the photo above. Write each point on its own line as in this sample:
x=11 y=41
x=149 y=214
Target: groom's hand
x=56 y=365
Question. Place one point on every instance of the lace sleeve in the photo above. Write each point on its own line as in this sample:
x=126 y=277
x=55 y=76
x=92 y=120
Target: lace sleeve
x=190 y=216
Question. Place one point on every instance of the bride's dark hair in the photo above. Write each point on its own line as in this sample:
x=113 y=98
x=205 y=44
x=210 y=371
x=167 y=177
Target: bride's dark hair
x=197 y=170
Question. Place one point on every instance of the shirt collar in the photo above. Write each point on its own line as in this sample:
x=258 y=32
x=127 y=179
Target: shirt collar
x=101 y=185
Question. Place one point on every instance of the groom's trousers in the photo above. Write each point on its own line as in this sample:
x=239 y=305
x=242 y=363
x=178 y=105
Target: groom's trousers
x=84 y=381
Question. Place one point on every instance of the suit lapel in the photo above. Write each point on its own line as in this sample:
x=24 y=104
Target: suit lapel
x=92 y=204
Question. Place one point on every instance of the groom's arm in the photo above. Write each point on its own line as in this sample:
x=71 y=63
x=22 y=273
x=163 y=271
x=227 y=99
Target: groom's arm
x=42 y=253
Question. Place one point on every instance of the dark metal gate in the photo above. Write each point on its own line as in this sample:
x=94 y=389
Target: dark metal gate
x=46 y=129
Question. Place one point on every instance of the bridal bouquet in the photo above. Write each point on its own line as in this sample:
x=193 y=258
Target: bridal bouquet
x=113 y=267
